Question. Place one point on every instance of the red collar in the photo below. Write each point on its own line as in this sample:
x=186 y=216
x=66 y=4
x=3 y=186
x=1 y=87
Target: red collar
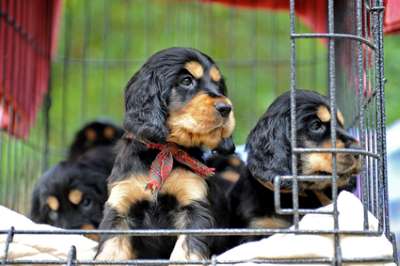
x=162 y=165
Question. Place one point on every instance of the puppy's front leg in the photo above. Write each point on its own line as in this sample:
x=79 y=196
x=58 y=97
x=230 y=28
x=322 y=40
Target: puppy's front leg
x=187 y=247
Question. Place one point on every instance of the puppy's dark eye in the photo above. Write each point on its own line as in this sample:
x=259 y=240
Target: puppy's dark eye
x=317 y=127
x=86 y=202
x=187 y=81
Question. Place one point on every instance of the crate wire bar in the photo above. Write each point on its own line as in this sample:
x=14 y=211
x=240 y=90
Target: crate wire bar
x=369 y=111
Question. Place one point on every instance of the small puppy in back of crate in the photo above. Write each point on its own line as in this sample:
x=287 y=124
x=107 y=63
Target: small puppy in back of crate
x=72 y=193
x=176 y=105
x=270 y=155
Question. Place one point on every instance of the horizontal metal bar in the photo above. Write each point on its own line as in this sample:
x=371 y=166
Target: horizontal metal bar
x=174 y=232
x=302 y=211
x=204 y=262
x=335 y=36
x=336 y=150
x=307 y=177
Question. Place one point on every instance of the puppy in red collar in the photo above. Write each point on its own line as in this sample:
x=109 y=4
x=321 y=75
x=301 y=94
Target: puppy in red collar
x=176 y=105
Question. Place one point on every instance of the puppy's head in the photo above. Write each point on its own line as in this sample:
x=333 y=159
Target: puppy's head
x=179 y=95
x=269 y=142
x=92 y=135
x=71 y=196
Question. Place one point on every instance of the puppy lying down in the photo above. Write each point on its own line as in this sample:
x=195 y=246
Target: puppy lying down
x=56 y=247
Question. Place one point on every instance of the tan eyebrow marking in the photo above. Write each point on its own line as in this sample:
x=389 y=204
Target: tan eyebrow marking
x=53 y=203
x=215 y=74
x=323 y=113
x=75 y=196
x=195 y=69
x=90 y=134
x=109 y=132
x=340 y=118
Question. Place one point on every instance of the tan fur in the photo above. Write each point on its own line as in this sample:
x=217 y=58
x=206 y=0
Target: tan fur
x=90 y=134
x=199 y=124
x=323 y=113
x=269 y=222
x=195 y=68
x=109 y=132
x=53 y=203
x=94 y=237
x=234 y=161
x=230 y=175
x=340 y=118
x=75 y=196
x=126 y=192
x=322 y=197
x=186 y=186
x=117 y=248
x=180 y=251
x=215 y=74
x=346 y=164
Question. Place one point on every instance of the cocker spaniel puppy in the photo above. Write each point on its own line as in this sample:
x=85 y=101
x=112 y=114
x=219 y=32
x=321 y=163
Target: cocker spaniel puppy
x=72 y=193
x=176 y=105
x=270 y=155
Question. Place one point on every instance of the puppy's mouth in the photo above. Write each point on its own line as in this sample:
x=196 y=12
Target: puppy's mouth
x=204 y=121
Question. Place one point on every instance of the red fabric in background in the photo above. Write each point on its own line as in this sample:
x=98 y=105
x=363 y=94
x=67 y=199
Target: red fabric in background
x=392 y=16
x=28 y=31
x=313 y=12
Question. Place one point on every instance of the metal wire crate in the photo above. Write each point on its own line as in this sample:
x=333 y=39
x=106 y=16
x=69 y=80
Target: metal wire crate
x=345 y=62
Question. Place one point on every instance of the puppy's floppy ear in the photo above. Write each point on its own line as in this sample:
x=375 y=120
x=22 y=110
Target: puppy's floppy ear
x=269 y=148
x=145 y=107
x=226 y=146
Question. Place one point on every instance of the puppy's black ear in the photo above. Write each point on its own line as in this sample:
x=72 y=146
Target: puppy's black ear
x=226 y=146
x=35 y=213
x=145 y=107
x=269 y=148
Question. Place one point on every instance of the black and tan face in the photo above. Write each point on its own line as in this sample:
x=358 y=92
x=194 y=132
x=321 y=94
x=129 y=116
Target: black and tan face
x=179 y=95
x=200 y=114
x=65 y=199
x=314 y=131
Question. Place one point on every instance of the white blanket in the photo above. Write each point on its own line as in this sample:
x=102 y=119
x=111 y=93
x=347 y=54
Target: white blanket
x=290 y=246
x=278 y=246
x=32 y=247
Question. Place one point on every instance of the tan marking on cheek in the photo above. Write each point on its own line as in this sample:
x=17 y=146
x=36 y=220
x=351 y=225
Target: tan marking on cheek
x=215 y=74
x=125 y=193
x=340 y=118
x=90 y=134
x=199 y=124
x=117 y=248
x=230 y=176
x=195 y=68
x=75 y=196
x=323 y=113
x=94 y=237
x=53 y=203
x=185 y=186
x=109 y=132
x=268 y=222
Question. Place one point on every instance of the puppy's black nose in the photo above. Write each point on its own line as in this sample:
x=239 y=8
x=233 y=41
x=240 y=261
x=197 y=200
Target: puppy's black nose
x=224 y=109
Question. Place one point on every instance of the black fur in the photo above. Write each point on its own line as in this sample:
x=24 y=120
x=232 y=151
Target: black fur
x=269 y=155
x=88 y=165
x=150 y=96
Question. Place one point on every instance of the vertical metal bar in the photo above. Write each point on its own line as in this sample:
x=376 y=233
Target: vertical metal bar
x=361 y=110
x=86 y=37
x=332 y=99
x=383 y=191
x=71 y=258
x=65 y=75
x=10 y=237
x=295 y=188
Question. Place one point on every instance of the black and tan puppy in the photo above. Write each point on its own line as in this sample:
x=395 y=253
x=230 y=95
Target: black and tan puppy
x=270 y=155
x=72 y=194
x=176 y=104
